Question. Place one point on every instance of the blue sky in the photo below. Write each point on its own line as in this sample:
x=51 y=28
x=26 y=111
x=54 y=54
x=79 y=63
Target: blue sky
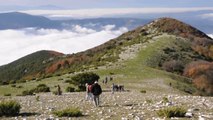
x=79 y=4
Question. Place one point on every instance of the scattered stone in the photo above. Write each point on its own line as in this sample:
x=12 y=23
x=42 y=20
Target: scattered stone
x=137 y=118
x=124 y=118
x=189 y=114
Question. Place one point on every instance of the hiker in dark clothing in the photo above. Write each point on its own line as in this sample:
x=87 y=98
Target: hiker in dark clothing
x=59 y=92
x=96 y=91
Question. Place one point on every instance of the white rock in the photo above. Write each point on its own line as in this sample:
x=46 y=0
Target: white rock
x=123 y=118
x=188 y=114
x=137 y=118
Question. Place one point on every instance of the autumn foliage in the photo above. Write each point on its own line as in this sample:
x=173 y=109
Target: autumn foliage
x=202 y=74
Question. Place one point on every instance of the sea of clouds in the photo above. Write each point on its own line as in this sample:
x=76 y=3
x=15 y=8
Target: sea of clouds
x=18 y=43
x=210 y=35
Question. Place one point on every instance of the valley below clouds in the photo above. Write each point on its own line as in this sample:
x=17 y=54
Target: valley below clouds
x=18 y=43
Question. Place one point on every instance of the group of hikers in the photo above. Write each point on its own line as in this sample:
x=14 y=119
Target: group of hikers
x=93 y=91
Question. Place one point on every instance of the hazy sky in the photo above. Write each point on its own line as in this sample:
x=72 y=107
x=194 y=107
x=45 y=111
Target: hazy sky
x=110 y=3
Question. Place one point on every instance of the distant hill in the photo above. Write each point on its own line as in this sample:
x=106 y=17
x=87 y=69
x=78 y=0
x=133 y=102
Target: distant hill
x=174 y=46
x=16 y=20
x=32 y=64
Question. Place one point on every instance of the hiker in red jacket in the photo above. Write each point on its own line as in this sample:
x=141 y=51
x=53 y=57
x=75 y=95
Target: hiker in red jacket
x=96 y=91
x=89 y=95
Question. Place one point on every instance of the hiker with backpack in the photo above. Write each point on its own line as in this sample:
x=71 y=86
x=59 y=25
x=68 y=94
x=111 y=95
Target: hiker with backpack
x=96 y=91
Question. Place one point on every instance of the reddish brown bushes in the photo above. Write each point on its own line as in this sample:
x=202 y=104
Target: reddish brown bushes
x=202 y=74
x=173 y=66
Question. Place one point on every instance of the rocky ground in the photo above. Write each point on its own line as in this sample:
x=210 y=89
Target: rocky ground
x=127 y=105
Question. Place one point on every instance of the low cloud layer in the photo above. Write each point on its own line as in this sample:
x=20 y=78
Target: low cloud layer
x=18 y=43
x=210 y=35
x=207 y=16
x=83 y=13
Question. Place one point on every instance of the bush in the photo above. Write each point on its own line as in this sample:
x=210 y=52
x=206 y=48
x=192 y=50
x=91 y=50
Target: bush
x=41 y=88
x=38 y=89
x=173 y=66
x=70 y=112
x=12 y=82
x=13 y=85
x=172 y=112
x=21 y=81
x=4 y=83
x=9 y=108
x=7 y=94
x=82 y=78
x=143 y=91
x=70 y=89
x=19 y=86
x=165 y=100
x=27 y=92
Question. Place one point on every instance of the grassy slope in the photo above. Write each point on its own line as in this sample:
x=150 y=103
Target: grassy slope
x=133 y=73
x=136 y=71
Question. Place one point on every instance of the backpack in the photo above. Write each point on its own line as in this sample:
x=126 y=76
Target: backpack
x=89 y=88
x=96 y=89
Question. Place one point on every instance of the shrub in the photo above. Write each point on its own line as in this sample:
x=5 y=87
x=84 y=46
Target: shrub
x=12 y=82
x=172 y=112
x=82 y=78
x=70 y=112
x=70 y=89
x=13 y=85
x=21 y=81
x=41 y=88
x=173 y=66
x=7 y=94
x=9 y=108
x=149 y=101
x=19 y=86
x=143 y=91
x=55 y=92
x=68 y=81
x=202 y=73
x=37 y=98
x=165 y=100
x=4 y=83
x=27 y=92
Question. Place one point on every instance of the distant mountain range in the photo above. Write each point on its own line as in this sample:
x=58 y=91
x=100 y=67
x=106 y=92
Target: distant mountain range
x=17 y=20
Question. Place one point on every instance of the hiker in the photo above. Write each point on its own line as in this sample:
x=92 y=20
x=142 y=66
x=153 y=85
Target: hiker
x=106 y=81
x=89 y=95
x=96 y=91
x=59 y=92
x=113 y=88
x=111 y=78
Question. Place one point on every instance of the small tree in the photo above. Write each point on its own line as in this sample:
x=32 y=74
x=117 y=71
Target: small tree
x=81 y=79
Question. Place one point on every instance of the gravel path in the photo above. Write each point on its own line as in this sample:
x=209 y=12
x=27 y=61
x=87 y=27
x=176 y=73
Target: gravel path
x=131 y=105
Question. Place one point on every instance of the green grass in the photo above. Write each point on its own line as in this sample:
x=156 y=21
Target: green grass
x=51 y=82
x=172 y=112
x=69 y=112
